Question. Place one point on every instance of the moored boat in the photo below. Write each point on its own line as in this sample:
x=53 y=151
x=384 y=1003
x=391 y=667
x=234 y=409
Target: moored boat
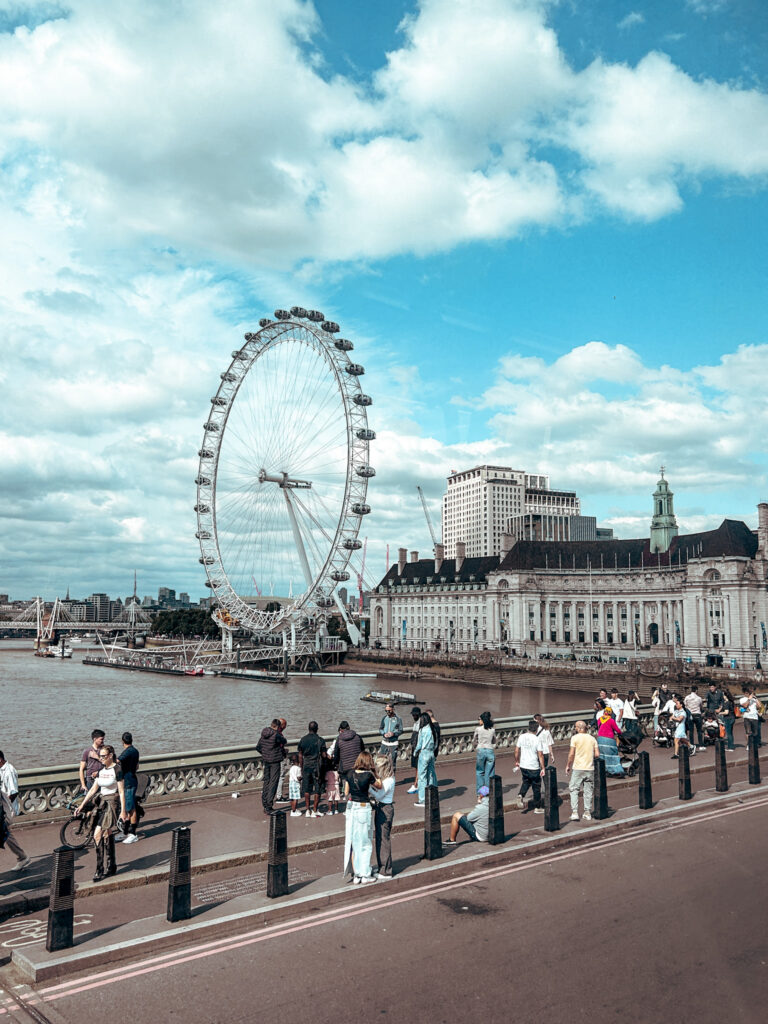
x=391 y=697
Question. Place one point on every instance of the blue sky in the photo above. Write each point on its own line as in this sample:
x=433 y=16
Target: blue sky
x=543 y=224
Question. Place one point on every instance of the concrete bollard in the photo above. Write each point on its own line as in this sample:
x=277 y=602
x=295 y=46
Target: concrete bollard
x=601 y=791
x=180 y=878
x=684 y=773
x=61 y=906
x=645 y=787
x=754 y=762
x=496 y=833
x=721 y=768
x=551 y=802
x=433 y=838
x=277 y=865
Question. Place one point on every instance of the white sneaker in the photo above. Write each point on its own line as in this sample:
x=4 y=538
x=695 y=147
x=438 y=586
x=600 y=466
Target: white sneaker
x=332 y=812
x=295 y=814
x=20 y=865
x=368 y=880
x=574 y=816
x=412 y=790
x=318 y=814
x=131 y=838
x=538 y=810
x=587 y=816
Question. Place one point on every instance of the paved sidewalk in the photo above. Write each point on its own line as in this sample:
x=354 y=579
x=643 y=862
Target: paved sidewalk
x=230 y=833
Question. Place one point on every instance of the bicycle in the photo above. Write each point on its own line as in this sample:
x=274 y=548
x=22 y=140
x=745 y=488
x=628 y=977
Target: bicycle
x=77 y=833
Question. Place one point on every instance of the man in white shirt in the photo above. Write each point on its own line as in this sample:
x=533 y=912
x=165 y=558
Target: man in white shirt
x=693 y=703
x=616 y=704
x=750 y=714
x=9 y=793
x=529 y=759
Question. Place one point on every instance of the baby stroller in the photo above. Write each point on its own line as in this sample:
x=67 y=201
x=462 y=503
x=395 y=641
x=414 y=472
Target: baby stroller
x=664 y=735
x=628 y=744
x=711 y=729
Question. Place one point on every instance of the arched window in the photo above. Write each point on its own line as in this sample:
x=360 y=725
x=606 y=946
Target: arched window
x=711 y=574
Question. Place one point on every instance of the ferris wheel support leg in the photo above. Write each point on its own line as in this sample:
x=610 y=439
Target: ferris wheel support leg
x=354 y=632
x=308 y=579
x=226 y=640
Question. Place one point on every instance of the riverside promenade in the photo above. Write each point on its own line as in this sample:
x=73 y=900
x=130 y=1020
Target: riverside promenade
x=229 y=851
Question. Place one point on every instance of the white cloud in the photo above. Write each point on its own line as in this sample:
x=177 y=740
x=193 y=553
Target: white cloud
x=631 y=19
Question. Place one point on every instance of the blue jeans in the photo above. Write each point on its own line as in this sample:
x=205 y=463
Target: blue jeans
x=727 y=721
x=468 y=827
x=427 y=774
x=486 y=759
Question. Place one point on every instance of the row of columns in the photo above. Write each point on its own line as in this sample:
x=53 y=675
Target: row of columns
x=548 y=611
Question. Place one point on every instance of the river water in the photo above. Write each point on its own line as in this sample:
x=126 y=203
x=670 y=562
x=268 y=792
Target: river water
x=50 y=706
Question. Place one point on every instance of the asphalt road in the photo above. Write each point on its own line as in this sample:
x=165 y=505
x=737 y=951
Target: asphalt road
x=666 y=922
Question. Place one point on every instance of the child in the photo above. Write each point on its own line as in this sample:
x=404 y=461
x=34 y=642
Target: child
x=294 y=785
x=332 y=794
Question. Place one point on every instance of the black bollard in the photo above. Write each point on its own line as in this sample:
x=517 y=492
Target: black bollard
x=601 y=791
x=645 y=788
x=754 y=762
x=721 y=768
x=180 y=878
x=551 y=802
x=496 y=834
x=433 y=839
x=61 y=907
x=277 y=866
x=684 y=773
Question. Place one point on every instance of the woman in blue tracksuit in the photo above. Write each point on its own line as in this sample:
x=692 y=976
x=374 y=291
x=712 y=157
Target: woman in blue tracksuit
x=425 y=752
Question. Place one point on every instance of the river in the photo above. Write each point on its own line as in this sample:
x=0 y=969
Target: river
x=50 y=706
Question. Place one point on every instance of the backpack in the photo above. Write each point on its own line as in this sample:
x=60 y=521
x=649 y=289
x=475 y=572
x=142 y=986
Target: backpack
x=688 y=718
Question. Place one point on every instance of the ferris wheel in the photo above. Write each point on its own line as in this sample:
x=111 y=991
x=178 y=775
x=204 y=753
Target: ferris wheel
x=283 y=473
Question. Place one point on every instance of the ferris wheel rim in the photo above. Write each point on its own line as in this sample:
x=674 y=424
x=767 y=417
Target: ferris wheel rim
x=234 y=610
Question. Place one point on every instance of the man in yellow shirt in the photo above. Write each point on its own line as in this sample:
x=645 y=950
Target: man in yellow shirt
x=581 y=758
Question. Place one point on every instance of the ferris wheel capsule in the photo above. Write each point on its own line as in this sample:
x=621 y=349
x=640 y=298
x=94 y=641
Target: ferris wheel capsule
x=315 y=315
x=282 y=314
x=299 y=311
x=361 y=399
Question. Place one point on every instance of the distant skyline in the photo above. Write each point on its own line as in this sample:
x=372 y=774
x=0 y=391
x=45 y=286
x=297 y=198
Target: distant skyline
x=542 y=223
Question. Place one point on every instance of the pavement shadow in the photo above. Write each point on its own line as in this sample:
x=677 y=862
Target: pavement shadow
x=450 y=793
x=83 y=937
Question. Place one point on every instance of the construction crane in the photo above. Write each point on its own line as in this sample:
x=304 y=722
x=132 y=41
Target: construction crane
x=429 y=520
x=360 y=583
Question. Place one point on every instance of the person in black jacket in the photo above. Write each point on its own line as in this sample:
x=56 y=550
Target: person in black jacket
x=348 y=746
x=271 y=746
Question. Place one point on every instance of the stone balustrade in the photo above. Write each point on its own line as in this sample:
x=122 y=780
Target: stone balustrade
x=45 y=792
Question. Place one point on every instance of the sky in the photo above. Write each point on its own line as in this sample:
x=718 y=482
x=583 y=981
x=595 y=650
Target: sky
x=543 y=225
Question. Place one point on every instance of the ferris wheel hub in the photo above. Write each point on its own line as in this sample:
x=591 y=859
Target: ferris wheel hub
x=282 y=480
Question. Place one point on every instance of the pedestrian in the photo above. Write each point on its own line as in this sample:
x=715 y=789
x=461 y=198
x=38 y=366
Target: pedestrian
x=436 y=729
x=665 y=695
x=607 y=731
x=416 y=716
x=332 y=791
x=426 y=744
x=284 y=765
x=680 y=720
x=656 y=702
x=581 y=763
x=694 y=705
x=312 y=750
x=600 y=702
x=90 y=765
x=529 y=759
x=750 y=714
x=546 y=740
x=616 y=704
x=485 y=758
x=727 y=716
x=348 y=746
x=390 y=728
x=630 y=723
x=9 y=808
x=271 y=746
x=384 y=815
x=129 y=763
x=294 y=785
x=108 y=784
x=474 y=823
x=714 y=699
x=358 y=844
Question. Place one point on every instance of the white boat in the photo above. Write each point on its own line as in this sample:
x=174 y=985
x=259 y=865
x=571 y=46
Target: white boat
x=61 y=650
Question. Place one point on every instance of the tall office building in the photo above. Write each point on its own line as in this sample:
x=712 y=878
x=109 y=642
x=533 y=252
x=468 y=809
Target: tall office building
x=479 y=504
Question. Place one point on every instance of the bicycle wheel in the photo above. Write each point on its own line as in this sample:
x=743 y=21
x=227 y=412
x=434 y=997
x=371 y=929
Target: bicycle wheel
x=75 y=833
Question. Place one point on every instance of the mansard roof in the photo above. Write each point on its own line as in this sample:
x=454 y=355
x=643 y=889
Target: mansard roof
x=731 y=538
x=418 y=571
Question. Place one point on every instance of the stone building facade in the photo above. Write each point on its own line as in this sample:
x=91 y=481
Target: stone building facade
x=704 y=597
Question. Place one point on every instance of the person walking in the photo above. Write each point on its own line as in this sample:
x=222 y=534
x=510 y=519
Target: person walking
x=416 y=716
x=9 y=808
x=694 y=705
x=529 y=759
x=271 y=746
x=629 y=720
x=359 y=819
x=129 y=763
x=390 y=729
x=546 y=739
x=90 y=765
x=727 y=716
x=426 y=745
x=581 y=765
x=485 y=758
x=311 y=750
x=607 y=731
x=384 y=815
x=108 y=784
x=656 y=702
x=679 y=717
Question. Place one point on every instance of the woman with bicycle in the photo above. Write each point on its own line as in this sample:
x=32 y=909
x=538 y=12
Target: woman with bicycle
x=110 y=806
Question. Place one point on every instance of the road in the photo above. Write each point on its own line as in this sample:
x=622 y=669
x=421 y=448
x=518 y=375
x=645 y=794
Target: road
x=666 y=921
